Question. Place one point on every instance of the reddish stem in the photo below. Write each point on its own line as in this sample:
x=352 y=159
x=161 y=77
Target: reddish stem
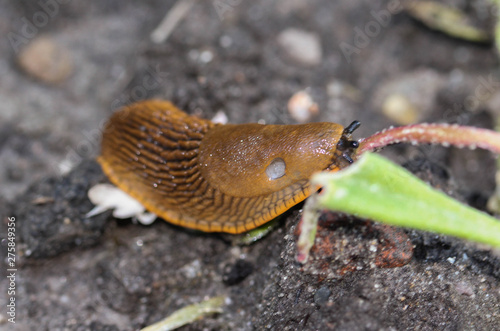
x=444 y=134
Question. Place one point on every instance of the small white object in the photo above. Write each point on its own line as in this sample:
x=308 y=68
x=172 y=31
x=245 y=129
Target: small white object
x=206 y=56
x=302 y=107
x=107 y=196
x=146 y=218
x=302 y=46
x=220 y=117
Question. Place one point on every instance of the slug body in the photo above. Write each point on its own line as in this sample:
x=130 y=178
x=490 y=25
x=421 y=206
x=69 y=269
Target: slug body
x=212 y=177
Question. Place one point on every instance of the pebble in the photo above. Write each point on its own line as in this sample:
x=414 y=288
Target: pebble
x=399 y=109
x=46 y=60
x=322 y=295
x=302 y=107
x=301 y=46
x=410 y=97
x=220 y=117
x=464 y=288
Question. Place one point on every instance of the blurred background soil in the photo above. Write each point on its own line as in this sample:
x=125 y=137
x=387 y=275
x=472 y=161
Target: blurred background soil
x=65 y=66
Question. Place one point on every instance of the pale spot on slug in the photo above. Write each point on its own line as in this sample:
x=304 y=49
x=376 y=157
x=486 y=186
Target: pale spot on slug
x=276 y=169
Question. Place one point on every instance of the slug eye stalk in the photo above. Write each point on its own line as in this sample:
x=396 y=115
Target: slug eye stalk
x=345 y=144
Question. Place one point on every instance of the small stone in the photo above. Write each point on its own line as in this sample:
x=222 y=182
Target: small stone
x=206 y=56
x=302 y=107
x=399 y=109
x=464 y=288
x=45 y=60
x=192 y=270
x=322 y=295
x=301 y=46
x=220 y=117
x=420 y=89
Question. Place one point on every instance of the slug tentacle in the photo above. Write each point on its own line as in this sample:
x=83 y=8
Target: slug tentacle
x=345 y=144
x=212 y=177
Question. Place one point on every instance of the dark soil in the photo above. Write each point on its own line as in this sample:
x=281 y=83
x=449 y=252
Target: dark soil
x=75 y=273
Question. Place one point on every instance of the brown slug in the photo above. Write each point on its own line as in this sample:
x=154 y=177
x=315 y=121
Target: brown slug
x=213 y=177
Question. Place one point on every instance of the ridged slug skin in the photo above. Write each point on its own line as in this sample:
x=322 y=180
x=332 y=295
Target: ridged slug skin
x=212 y=177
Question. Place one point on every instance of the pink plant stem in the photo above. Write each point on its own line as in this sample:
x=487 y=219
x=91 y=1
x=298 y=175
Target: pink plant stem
x=444 y=134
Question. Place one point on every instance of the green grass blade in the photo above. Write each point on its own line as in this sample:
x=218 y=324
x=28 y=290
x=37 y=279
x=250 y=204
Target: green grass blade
x=377 y=189
x=188 y=315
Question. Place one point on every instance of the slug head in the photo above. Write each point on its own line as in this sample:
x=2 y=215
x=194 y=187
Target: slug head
x=347 y=146
x=252 y=160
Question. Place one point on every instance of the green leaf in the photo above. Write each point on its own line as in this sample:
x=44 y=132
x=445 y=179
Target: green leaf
x=377 y=189
x=446 y=19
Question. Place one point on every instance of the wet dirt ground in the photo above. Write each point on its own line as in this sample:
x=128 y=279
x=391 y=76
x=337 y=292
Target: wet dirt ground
x=75 y=273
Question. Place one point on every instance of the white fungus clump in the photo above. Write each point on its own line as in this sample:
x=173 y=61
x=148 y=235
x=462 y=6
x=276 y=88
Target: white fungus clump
x=107 y=196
